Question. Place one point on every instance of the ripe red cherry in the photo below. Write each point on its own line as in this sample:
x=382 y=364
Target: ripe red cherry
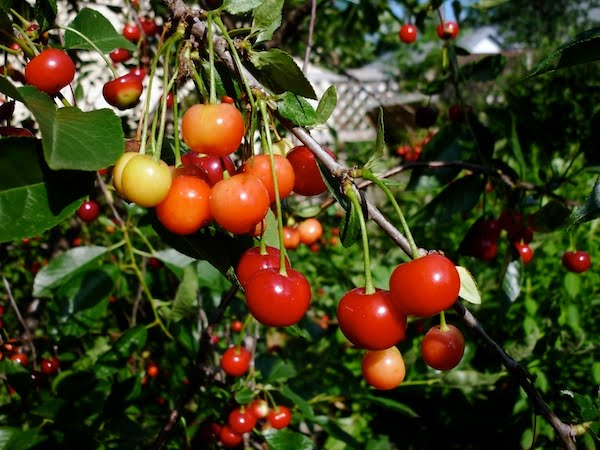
x=408 y=33
x=447 y=30
x=149 y=26
x=15 y=131
x=229 y=438
x=213 y=129
x=307 y=176
x=525 y=252
x=425 y=286
x=20 y=358
x=119 y=55
x=260 y=408
x=132 y=33
x=370 y=321
x=50 y=71
x=241 y=420
x=291 y=238
x=279 y=417
x=152 y=370
x=278 y=300
x=481 y=241
x=237 y=326
x=238 y=203
x=211 y=166
x=253 y=260
x=49 y=366
x=577 y=261
x=235 y=361
x=185 y=208
x=443 y=350
x=89 y=211
x=138 y=72
x=123 y=92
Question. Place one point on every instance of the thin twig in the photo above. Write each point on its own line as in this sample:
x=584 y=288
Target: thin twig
x=15 y=307
x=311 y=29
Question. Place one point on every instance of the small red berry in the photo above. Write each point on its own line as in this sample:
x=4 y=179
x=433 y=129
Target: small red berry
x=89 y=211
x=408 y=33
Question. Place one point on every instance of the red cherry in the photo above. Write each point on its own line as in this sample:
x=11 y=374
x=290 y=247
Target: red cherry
x=132 y=33
x=212 y=166
x=408 y=33
x=577 y=261
x=447 y=30
x=50 y=71
x=307 y=176
x=253 y=261
x=525 y=252
x=20 y=358
x=138 y=72
x=89 y=211
x=123 y=92
x=237 y=326
x=279 y=417
x=443 y=350
x=370 y=321
x=425 y=286
x=152 y=370
x=260 y=408
x=278 y=300
x=236 y=361
x=209 y=432
x=242 y=420
x=149 y=26
x=230 y=438
x=15 y=131
x=119 y=55
x=49 y=366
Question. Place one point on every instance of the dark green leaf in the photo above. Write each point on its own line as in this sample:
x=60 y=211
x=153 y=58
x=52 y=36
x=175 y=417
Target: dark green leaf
x=572 y=283
x=583 y=49
x=132 y=340
x=300 y=403
x=45 y=13
x=287 y=440
x=186 y=298
x=334 y=430
x=327 y=104
x=244 y=396
x=73 y=385
x=435 y=86
x=586 y=406
x=487 y=68
x=266 y=19
x=350 y=227
x=459 y=196
x=511 y=284
x=281 y=371
x=589 y=210
x=241 y=6
x=16 y=439
x=33 y=198
x=278 y=72
x=550 y=217
x=97 y=29
x=74 y=139
x=64 y=267
x=297 y=110
x=392 y=405
x=174 y=260
x=516 y=145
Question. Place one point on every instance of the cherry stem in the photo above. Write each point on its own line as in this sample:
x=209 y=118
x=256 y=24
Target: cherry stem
x=282 y=254
x=368 y=175
x=211 y=61
x=9 y=50
x=176 y=146
x=443 y=325
x=353 y=197
x=163 y=117
x=236 y=59
x=96 y=48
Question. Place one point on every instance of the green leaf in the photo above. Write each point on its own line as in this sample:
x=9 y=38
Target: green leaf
x=302 y=405
x=73 y=385
x=587 y=410
x=33 y=198
x=45 y=13
x=271 y=234
x=572 y=283
x=584 y=48
x=511 y=284
x=590 y=210
x=281 y=371
x=134 y=339
x=74 y=139
x=244 y=396
x=487 y=68
x=459 y=196
x=552 y=216
x=297 y=110
x=286 y=439
x=6 y=87
x=279 y=73
x=391 y=404
x=266 y=19
x=174 y=260
x=241 y=6
x=350 y=231
x=516 y=144
x=468 y=287
x=63 y=267
x=380 y=140
x=16 y=439
x=337 y=432
x=327 y=104
x=97 y=29
x=186 y=298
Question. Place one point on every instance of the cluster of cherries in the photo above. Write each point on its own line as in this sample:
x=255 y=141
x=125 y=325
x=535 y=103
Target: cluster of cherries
x=445 y=30
x=49 y=366
x=413 y=152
